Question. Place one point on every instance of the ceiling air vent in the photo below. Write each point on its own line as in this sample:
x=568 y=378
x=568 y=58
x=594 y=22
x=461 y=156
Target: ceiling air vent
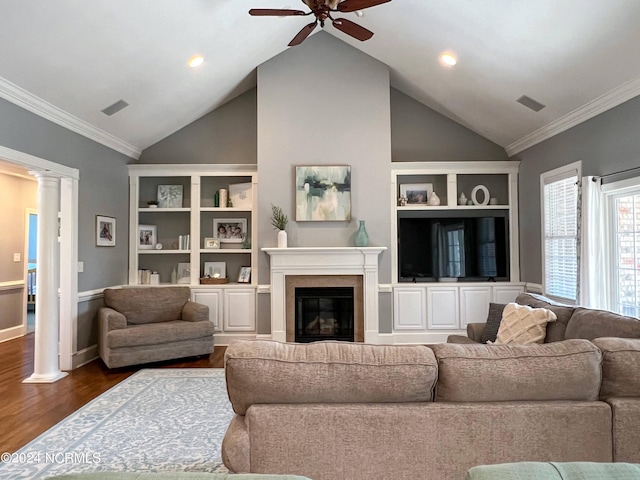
x=115 y=108
x=530 y=103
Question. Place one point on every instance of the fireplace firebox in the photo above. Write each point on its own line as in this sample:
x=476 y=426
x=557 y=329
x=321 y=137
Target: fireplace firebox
x=324 y=313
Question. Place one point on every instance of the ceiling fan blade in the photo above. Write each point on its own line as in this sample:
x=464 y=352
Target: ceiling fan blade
x=353 y=5
x=353 y=29
x=303 y=34
x=274 y=12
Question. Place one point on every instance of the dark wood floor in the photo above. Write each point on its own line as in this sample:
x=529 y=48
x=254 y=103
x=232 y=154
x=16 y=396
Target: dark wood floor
x=27 y=410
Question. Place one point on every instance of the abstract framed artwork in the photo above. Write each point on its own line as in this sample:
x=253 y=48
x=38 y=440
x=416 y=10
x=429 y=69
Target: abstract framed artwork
x=323 y=193
x=170 y=196
x=105 y=231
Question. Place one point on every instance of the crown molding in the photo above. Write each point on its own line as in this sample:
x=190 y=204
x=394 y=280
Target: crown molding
x=44 y=109
x=605 y=102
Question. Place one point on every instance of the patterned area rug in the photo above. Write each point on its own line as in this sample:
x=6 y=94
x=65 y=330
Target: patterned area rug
x=157 y=420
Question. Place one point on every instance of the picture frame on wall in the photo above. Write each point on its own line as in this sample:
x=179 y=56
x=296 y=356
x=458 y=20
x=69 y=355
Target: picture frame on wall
x=147 y=237
x=230 y=230
x=105 y=231
x=244 y=276
x=170 y=196
x=416 y=193
x=323 y=193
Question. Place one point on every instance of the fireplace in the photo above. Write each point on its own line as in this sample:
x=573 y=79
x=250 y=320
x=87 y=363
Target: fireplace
x=324 y=267
x=324 y=314
x=334 y=300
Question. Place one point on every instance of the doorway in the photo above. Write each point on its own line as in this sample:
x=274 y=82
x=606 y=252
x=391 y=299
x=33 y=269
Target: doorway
x=31 y=254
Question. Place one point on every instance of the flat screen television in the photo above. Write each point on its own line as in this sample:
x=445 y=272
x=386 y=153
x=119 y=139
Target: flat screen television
x=468 y=246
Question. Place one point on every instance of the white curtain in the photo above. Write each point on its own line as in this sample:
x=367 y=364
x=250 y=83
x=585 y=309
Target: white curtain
x=594 y=282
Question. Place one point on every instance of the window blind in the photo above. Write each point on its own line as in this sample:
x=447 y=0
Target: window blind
x=560 y=236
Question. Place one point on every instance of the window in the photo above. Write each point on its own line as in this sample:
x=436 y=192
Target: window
x=623 y=262
x=559 y=193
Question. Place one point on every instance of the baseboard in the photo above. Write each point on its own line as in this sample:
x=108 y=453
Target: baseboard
x=224 y=339
x=12 y=332
x=84 y=356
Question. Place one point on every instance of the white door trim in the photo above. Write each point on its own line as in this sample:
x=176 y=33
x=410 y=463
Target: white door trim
x=68 y=244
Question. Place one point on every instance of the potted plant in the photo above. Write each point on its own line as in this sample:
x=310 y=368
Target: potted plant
x=279 y=221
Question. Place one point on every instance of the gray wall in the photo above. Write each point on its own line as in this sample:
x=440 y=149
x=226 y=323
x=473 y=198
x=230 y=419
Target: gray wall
x=606 y=144
x=325 y=103
x=16 y=195
x=103 y=188
x=226 y=135
x=419 y=134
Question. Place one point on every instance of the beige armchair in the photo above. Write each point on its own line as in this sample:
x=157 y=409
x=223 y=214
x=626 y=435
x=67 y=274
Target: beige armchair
x=150 y=324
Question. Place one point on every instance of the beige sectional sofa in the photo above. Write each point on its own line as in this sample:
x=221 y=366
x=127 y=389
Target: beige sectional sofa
x=572 y=322
x=355 y=411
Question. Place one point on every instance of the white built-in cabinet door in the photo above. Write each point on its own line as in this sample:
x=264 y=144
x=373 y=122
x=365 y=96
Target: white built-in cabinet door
x=240 y=310
x=442 y=307
x=409 y=308
x=474 y=305
x=213 y=300
x=506 y=294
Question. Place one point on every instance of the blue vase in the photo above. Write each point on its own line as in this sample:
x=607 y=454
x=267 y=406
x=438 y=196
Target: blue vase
x=362 y=237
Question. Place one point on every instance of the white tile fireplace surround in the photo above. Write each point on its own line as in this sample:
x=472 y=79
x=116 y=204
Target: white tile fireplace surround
x=323 y=261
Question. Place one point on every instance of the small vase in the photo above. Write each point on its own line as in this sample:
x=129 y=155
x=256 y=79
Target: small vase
x=174 y=276
x=282 y=239
x=362 y=237
x=462 y=199
x=433 y=200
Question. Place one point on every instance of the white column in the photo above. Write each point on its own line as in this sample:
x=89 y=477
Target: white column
x=46 y=362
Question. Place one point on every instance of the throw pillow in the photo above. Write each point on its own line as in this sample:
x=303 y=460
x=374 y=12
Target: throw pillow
x=524 y=325
x=494 y=318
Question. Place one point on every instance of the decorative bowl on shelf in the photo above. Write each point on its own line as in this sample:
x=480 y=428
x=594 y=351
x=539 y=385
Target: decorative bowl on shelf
x=213 y=281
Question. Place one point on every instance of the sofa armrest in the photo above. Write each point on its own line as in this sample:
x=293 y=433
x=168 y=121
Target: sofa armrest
x=474 y=331
x=195 y=312
x=460 y=339
x=109 y=319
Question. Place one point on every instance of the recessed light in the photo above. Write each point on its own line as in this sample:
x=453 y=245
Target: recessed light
x=448 y=59
x=195 y=61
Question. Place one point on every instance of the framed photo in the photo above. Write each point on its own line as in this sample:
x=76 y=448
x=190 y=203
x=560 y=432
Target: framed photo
x=105 y=231
x=323 y=193
x=184 y=273
x=230 y=230
x=241 y=195
x=215 y=269
x=147 y=237
x=416 y=193
x=211 y=243
x=169 y=196
x=245 y=275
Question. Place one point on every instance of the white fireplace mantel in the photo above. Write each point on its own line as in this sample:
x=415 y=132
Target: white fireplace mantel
x=324 y=261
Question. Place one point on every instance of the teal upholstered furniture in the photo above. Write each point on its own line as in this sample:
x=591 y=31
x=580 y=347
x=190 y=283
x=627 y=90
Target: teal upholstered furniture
x=555 y=471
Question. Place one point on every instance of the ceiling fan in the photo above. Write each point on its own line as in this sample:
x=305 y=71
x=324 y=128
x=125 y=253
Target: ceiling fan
x=322 y=9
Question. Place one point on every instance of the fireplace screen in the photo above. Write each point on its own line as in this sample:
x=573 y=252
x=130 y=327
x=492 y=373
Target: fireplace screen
x=324 y=314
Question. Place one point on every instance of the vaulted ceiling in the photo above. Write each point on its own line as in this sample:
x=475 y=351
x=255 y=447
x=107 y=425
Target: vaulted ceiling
x=69 y=59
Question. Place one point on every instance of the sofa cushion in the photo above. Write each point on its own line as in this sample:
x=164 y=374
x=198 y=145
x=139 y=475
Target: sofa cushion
x=524 y=325
x=158 y=333
x=148 y=304
x=555 y=330
x=554 y=471
x=262 y=371
x=567 y=370
x=620 y=367
x=589 y=323
x=492 y=326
